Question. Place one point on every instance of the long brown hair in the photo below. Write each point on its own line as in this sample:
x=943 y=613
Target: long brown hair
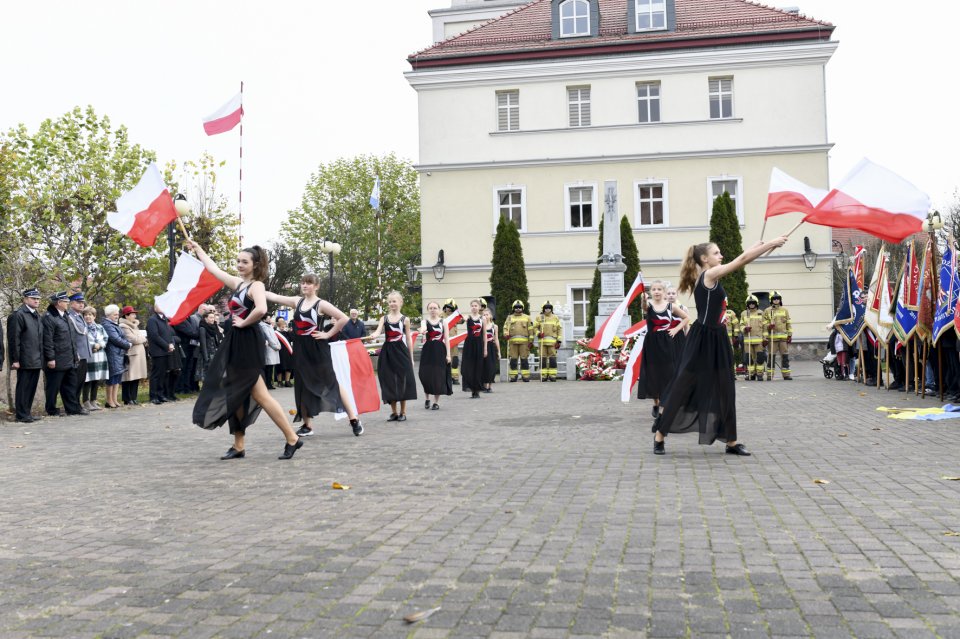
x=261 y=262
x=691 y=267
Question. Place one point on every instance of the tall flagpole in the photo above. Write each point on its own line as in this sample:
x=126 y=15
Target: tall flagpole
x=240 y=185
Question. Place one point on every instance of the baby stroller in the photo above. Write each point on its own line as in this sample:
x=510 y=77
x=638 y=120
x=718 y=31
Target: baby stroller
x=831 y=369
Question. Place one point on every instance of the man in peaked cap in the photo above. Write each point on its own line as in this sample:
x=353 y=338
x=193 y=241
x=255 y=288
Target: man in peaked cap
x=25 y=347
x=78 y=329
x=60 y=355
x=518 y=329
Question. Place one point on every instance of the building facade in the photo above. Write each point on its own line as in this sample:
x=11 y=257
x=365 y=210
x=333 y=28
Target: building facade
x=528 y=115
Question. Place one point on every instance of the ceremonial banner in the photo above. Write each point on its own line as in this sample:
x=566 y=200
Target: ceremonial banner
x=145 y=210
x=226 y=117
x=608 y=330
x=874 y=200
x=789 y=195
x=351 y=364
x=878 y=317
x=925 y=313
x=375 y=194
x=905 y=319
x=632 y=372
x=949 y=293
x=191 y=286
x=850 y=315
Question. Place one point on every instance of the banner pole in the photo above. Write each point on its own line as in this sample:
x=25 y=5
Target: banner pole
x=240 y=183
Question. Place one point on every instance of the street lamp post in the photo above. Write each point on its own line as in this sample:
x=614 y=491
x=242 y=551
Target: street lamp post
x=331 y=249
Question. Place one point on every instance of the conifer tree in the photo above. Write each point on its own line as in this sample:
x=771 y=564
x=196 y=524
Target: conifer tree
x=594 y=307
x=508 y=276
x=725 y=233
x=631 y=259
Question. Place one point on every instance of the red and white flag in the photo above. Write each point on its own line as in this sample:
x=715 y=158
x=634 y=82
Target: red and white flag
x=226 y=117
x=351 y=364
x=457 y=340
x=879 y=299
x=145 y=210
x=874 y=200
x=608 y=330
x=284 y=341
x=191 y=286
x=454 y=319
x=632 y=372
x=789 y=195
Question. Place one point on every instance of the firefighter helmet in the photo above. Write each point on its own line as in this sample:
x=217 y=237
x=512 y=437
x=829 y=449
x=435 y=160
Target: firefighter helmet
x=450 y=304
x=752 y=299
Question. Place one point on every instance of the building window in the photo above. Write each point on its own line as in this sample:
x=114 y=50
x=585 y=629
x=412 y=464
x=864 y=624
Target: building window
x=508 y=110
x=510 y=202
x=648 y=101
x=581 y=206
x=733 y=186
x=578 y=101
x=579 y=297
x=651 y=15
x=721 y=98
x=574 y=18
x=651 y=203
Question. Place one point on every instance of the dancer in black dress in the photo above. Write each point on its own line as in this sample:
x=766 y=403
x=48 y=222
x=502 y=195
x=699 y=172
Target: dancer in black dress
x=662 y=346
x=395 y=363
x=474 y=354
x=315 y=388
x=491 y=363
x=702 y=396
x=435 y=373
x=234 y=390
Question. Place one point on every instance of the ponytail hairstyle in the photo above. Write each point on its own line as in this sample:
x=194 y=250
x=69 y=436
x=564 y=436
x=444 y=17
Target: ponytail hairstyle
x=261 y=262
x=691 y=267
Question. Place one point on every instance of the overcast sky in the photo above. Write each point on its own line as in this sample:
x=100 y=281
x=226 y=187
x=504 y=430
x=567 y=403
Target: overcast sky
x=325 y=80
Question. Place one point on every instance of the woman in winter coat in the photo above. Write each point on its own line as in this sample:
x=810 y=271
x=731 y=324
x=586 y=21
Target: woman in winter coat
x=137 y=355
x=117 y=347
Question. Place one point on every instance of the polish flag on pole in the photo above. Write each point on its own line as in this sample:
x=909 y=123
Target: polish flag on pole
x=457 y=340
x=875 y=200
x=608 y=330
x=145 y=210
x=191 y=286
x=632 y=372
x=226 y=117
x=454 y=319
x=351 y=364
x=789 y=195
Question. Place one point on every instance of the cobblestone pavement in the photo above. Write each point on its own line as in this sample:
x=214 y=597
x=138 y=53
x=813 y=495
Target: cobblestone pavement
x=537 y=511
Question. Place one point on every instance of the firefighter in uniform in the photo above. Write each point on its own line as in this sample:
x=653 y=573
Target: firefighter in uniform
x=449 y=308
x=518 y=330
x=753 y=327
x=779 y=333
x=550 y=331
x=733 y=332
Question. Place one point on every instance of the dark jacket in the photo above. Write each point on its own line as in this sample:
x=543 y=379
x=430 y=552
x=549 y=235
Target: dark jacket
x=159 y=335
x=352 y=330
x=117 y=346
x=25 y=338
x=209 y=343
x=189 y=330
x=58 y=344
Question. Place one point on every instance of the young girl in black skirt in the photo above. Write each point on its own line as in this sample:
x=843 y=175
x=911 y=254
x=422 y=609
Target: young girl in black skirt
x=662 y=346
x=395 y=364
x=491 y=363
x=702 y=395
x=315 y=389
x=435 y=357
x=474 y=352
x=234 y=390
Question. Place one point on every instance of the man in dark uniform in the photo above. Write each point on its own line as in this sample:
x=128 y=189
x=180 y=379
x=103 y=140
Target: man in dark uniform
x=25 y=346
x=189 y=333
x=60 y=355
x=78 y=330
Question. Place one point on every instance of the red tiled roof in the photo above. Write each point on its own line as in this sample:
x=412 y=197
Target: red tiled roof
x=526 y=32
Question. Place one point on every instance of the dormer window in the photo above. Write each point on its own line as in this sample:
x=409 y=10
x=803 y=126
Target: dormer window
x=574 y=18
x=651 y=15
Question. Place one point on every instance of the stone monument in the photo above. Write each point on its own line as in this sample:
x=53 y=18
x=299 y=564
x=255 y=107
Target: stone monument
x=611 y=264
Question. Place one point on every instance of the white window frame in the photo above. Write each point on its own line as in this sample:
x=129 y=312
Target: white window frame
x=497 y=190
x=585 y=4
x=650 y=9
x=579 y=331
x=637 y=221
x=737 y=199
x=582 y=105
x=647 y=100
x=513 y=124
x=719 y=95
x=595 y=210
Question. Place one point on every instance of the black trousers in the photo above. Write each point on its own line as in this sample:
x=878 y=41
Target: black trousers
x=158 y=377
x=64 y=383
x=81 y=379
x=129 y=390
x=185 y=381
x=27 y=381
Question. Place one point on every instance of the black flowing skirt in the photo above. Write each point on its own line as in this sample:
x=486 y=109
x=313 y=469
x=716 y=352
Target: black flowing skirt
x=658 y=363
x=315 y=386
x=435 y=373
x=230 y=378
x=702 y=396
x=491 y=365
x=395 y=373
x=472 y=364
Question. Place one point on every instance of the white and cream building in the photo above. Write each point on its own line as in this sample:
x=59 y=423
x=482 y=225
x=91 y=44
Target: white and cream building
x=527 y=115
